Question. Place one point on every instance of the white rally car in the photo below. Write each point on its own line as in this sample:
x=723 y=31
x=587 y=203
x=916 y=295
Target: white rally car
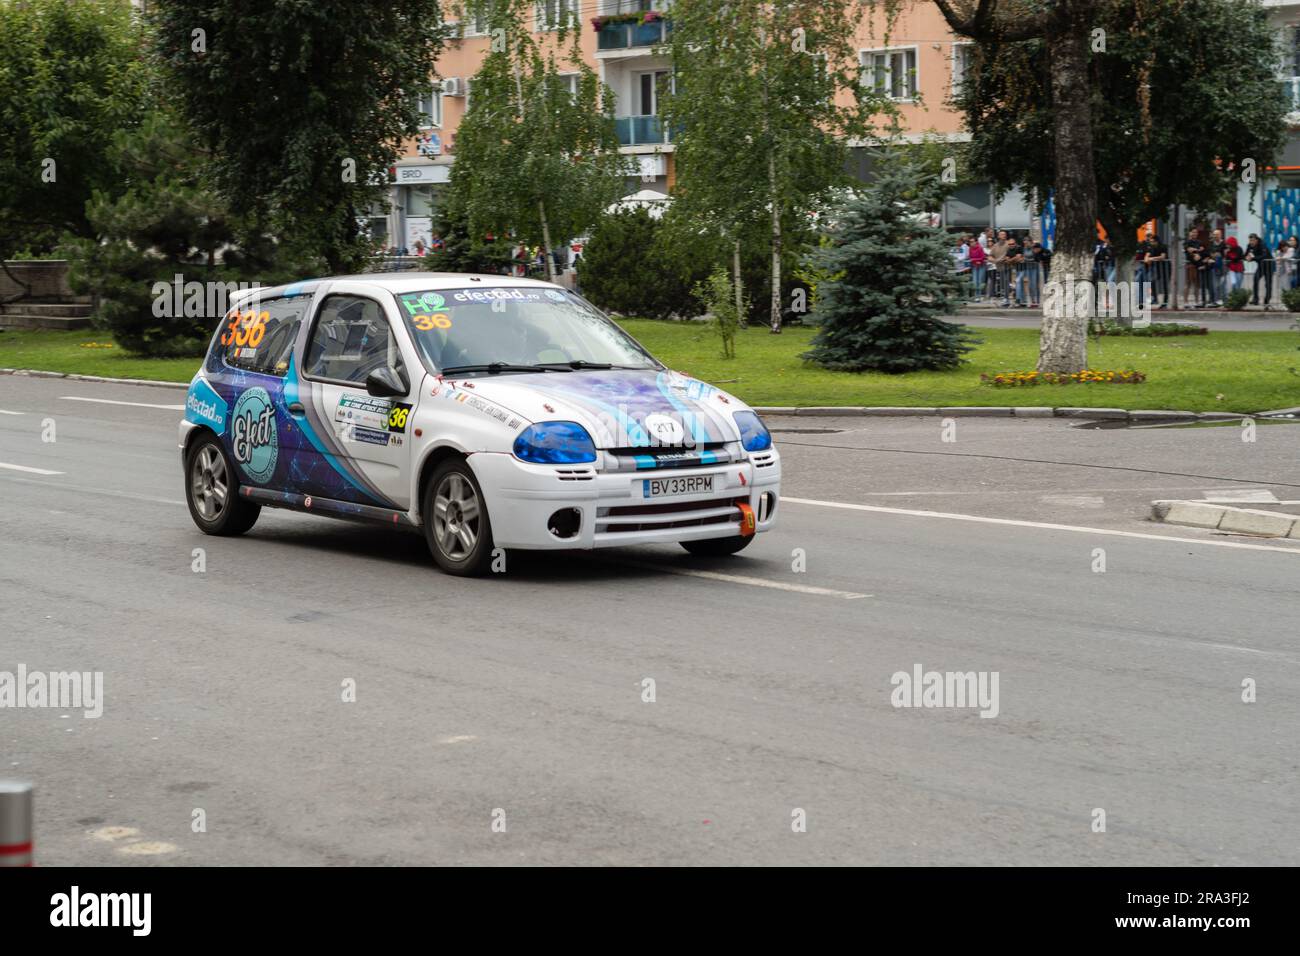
x=491 y=412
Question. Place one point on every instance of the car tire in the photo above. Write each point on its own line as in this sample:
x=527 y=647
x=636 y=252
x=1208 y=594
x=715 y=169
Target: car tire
x=456 y=523
x=717 y=547
x=212 y=490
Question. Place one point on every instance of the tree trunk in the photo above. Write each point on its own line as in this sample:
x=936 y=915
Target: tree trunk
x=1063 y=346
x=738 y=285
x=776 y=243
x=546 y=242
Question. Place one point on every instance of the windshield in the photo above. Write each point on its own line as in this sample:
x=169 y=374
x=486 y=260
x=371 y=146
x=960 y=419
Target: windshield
x=493 y=330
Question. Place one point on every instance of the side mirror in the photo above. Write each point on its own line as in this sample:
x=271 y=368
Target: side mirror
x=386 y=383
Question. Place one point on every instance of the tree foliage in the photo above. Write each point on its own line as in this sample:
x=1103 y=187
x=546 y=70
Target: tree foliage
x=70 y=78
x=302 y=106
x=891 y=281
x=1181 y=92
x=534 y=159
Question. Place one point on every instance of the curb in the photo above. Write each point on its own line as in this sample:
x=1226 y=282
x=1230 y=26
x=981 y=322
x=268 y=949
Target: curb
x=36 y=373
x=847 y=411
x=1011 y=411
x=1201 y=514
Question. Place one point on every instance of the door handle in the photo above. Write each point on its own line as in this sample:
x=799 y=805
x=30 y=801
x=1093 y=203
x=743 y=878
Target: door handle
x=295 y=408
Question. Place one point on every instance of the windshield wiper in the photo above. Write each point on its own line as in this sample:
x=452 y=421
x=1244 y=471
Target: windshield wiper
x=584 y=364
x=493 y=368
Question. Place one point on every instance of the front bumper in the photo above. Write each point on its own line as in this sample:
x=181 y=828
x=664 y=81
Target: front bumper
x=522 y=498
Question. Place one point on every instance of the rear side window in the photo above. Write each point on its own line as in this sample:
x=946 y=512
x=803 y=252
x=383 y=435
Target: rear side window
x=351 y=339
x=259 y=336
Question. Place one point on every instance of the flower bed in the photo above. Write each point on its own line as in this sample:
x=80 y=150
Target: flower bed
x=1088 y=376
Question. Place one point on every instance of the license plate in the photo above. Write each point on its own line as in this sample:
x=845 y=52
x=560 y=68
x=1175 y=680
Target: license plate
x=668 y=487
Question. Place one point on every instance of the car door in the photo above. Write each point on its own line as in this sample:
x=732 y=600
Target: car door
x=247 y=375
x=362 y=439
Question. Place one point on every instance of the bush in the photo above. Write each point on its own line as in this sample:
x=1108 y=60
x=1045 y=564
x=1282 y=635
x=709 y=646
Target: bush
x=719 y=296
x=1154 y=330
x=1236 y=300
x=1291 y=299
x=168 y=223
x=628 y=266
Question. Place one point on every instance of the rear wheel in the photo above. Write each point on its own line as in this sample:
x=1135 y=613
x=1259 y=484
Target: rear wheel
x=717 y=547
x=456 y=523
x=212 y=490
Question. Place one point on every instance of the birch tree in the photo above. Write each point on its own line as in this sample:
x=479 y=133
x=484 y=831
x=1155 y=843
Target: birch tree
x=536 y=154
x=767 y=99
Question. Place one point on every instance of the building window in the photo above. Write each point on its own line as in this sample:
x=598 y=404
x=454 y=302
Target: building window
x=892 y=73
x=429 y=106
x=649 y=87
x=565 y=84
x=553 y=14
x=963 y=61
x=607 y=7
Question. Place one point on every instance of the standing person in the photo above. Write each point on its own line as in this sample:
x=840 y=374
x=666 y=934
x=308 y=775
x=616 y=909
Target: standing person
x=1258 y=253
x=1013 y=263
x=1103 y=271
x=1154 y=257
x=1193 y=251
x=961 y=258
x=1294 y=243
x=978 y=268
x=998 y=258
x=1285 y=265
x=1218 y=267
x=1234 y=259
x=1037 y=267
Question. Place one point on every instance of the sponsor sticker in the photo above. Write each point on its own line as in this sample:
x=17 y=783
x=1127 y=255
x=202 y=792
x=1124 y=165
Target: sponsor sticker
x=253 y=436
x=379 y=414
x=204 y=406
x=369 y=435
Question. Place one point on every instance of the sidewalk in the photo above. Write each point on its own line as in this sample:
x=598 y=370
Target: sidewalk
x=1252 y=319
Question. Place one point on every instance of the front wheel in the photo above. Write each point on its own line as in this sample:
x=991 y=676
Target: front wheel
x=456 y=523
x=212 y=490
x=717 y=547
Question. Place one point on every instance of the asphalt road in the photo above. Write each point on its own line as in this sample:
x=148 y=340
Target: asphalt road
x=1119 y=690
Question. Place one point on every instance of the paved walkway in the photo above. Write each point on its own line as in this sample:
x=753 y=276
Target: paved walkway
x=1216 y=320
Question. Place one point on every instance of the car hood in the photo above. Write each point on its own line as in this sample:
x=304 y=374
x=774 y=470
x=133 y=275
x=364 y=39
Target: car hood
x=620 y=408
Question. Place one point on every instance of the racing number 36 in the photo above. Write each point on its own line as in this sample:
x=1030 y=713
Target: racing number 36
x=245 y=328
x=397 y=418
x=426 y=323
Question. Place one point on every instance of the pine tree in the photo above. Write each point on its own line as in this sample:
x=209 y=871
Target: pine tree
x=894 y=281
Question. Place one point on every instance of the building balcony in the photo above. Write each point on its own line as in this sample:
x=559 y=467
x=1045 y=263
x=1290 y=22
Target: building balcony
x=641 y=131
x=629 y=35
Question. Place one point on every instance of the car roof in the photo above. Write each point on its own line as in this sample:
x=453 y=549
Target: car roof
x=399 y=282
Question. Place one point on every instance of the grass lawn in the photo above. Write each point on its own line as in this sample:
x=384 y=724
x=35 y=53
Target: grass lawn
x=1222 y=371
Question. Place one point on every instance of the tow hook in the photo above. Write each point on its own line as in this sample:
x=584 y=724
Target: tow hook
x=747 y=523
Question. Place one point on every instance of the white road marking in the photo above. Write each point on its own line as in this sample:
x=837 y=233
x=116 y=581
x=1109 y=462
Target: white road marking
x=1037 y=524
x=1074 y=501
x=109 y=401
x=85 y=489
x=30 y=471
x=742 y=579
x=5 y=411
x=1225 y=496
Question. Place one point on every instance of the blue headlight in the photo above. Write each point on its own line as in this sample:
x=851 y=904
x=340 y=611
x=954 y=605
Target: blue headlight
x=555 y=443
x=753 y=433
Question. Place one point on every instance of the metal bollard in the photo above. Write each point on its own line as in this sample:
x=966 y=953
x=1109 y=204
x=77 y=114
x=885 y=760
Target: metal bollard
x=16 y=823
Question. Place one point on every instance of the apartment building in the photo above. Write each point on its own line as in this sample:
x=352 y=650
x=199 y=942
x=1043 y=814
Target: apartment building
x=915 y=60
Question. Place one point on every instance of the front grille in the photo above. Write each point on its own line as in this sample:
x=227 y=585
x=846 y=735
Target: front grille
x=575 y=474
x=662 y=456
x=669 y=507
x=619 y=519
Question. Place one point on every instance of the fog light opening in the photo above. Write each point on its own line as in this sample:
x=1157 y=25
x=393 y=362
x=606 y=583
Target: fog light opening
x=766 y=505
x=564 y=524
